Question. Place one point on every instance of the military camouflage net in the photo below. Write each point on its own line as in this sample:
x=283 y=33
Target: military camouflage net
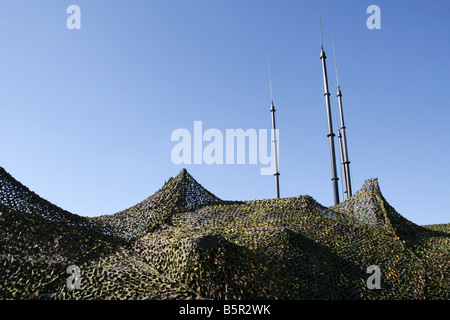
x=178 y=194
x=185 y=243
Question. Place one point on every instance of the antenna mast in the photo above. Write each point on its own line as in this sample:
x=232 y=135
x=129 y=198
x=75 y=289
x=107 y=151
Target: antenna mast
x=274 y=135
x=342 y=159
x=346 y=162
x=330 y=135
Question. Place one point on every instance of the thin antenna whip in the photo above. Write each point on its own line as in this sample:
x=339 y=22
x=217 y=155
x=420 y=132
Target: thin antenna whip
x=270 y=77
x=335 y=63
x=320 y=26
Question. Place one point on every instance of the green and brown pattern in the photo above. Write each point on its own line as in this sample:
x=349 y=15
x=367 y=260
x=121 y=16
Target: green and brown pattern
x=185 y=243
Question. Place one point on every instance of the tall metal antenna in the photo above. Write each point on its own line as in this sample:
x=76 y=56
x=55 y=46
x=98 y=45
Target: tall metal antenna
x=274 y=134
x=330 y=135
x=342 y=160
x=346 y=162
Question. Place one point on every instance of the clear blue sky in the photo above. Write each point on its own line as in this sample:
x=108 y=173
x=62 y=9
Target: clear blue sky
x=87 y=115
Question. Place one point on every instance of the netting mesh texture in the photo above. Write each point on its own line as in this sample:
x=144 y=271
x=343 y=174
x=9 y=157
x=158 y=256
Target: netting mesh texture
x=185 y=243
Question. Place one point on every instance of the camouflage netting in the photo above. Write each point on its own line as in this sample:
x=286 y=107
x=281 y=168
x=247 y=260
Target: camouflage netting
x=178 y=194
x=185 y=243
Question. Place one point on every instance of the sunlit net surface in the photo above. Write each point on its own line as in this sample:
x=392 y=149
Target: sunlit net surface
x=183 y=242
